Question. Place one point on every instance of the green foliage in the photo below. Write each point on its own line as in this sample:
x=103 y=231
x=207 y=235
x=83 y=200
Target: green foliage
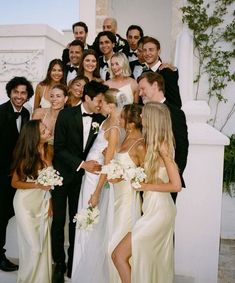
x=229 y=165
x=209 y=32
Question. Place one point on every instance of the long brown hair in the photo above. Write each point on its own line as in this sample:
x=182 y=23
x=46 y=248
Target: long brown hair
x=81 y=70
x=26 y=156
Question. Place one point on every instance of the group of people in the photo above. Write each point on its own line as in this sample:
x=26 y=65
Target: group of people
x=114 y=100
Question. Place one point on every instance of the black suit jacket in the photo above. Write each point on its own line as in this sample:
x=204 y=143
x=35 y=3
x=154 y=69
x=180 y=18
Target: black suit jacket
x=68 y=141
x=180 y=132
x=8 y=135
x=172 y=92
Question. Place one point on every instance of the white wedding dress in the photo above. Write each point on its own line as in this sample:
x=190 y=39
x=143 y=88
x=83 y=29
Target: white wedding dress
x=90 y=261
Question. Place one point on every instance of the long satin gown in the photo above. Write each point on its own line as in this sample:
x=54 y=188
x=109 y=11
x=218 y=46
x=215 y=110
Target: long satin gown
x=152 y=238
x=33 y=232
x=127 y=209
x=90 y=261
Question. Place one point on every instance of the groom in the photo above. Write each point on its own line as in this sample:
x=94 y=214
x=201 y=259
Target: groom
x=75 y=132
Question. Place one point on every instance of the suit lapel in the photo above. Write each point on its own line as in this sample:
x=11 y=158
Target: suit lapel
x=79 y=124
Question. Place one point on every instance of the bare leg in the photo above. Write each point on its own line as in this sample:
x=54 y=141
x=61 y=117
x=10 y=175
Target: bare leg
x=121 y=256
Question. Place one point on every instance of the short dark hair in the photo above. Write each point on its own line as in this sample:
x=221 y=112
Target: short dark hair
x=153 y=40
x=80 y=24
x=16 y=81
x=152 y=77
x=77 y=42
x=109 y=34
x=132 y=27
x=93 y=88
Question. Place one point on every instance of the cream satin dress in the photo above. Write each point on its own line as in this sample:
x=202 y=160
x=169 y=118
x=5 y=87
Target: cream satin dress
x=127 y=209
x=152 y=238
x=33 y=232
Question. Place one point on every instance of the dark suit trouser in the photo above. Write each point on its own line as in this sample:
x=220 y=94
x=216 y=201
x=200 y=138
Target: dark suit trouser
x=69 y=191
x=6 y=208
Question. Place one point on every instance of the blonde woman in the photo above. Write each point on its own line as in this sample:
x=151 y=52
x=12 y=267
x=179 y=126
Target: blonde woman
x=55 y=75
x=120 y=79
x=151 y=241
x=58 y=97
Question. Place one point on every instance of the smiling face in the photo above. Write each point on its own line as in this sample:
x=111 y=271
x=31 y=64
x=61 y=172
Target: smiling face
x=106 y=46
x=75 y=54
x=56 y=73
x=89 y=63
x=151 y=53
x=57 y=99
x=19 y=96
x=115 y=67
x=76 y=89
x=150 y=92
x=95 y=105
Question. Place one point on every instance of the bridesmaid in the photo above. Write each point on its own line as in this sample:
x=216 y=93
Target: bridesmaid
x=32 y=208
x=151 y=241
x=55 y=75
x=89 y=66
x=132 y=152
x=57 y=98
x=120 y=78
x=75 y=90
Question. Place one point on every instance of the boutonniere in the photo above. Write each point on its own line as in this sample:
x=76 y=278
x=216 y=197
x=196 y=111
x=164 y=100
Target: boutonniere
x=95 y=127
x=121 y=43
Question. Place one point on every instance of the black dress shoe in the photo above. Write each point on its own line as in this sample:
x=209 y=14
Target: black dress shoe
x=58 y=274
x=6 y=265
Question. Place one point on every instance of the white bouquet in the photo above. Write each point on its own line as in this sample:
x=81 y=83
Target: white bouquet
x=136 y=176
x=86 y=218
x=113 y=170
x=49 y=177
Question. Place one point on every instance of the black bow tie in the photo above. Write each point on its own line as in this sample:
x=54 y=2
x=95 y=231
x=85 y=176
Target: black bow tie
x=72 y=68
x=131 y=53
x=84 y=114
x=17 y=114
x=103 y=64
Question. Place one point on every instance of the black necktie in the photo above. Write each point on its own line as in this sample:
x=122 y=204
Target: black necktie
x=72 y=68
x=17 y=114
x=84 y=114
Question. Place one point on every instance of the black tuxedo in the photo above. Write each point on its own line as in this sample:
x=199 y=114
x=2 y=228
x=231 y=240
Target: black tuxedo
x=69 y=153
x=8 y=138
x=67 y=69
x=172 y=92
x=121 y=45
x=180 y=132
x=104 y=68
x=136 y=68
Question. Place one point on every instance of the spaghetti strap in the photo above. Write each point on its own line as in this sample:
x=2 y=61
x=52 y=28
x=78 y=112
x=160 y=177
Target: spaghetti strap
x=112 y=128
x=134 y=144
x=44 y=117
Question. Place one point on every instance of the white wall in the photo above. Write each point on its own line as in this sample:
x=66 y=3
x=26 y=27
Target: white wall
x=154 y=16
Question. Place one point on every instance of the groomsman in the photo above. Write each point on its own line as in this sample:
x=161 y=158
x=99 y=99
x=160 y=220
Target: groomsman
x=138 y=66
x=75 y=133
x=110 y=24
x=151 y=53
x=106 y=41
x=133 y=34
x=152 y=88
x=13 y=115
x=80 y=32
x=75 y=55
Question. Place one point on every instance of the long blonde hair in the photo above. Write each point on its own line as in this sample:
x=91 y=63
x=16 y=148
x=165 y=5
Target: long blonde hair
x=157 y=130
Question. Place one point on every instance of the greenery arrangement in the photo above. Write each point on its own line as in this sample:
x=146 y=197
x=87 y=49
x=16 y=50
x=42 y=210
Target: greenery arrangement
x=210 y=33
x=229 y=167
x=214 y=43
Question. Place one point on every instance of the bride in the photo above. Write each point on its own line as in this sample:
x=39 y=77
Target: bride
x=90 y=262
